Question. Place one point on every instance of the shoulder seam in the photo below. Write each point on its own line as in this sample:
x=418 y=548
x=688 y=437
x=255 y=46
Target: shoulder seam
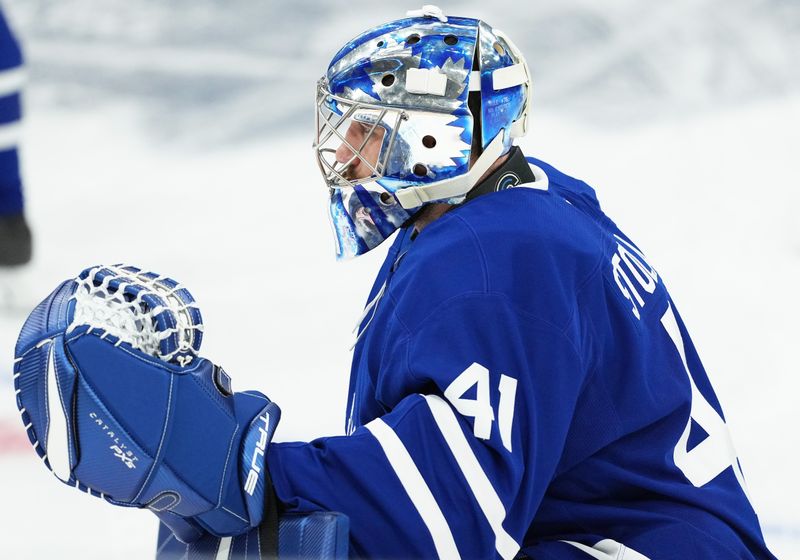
x=481 y=254
x=589 y=277
x=481 y=259
x=515 y=308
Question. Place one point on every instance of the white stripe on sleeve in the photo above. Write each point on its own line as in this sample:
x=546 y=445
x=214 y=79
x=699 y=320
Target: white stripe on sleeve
x=479 y=483
x=416 y=488
x=11 y=81
x=10 y=135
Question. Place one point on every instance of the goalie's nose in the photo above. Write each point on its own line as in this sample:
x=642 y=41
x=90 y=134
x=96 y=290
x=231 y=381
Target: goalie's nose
x=354 y=136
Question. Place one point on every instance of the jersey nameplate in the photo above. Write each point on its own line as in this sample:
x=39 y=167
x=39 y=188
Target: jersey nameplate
x=626 y=263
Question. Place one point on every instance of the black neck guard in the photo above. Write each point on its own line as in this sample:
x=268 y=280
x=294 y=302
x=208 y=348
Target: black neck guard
x=515 y=171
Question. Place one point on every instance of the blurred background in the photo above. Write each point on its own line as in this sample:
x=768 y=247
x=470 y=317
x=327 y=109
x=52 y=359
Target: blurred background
x=176 y=136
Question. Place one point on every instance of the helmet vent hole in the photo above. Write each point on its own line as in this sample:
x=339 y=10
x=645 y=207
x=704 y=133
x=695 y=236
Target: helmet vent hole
x=450 y=39
x=386 y=198
x=420 y=170
x=381 y=43
x=387 y=80
x=412 y=39
x=499 y=49
x=429 y=142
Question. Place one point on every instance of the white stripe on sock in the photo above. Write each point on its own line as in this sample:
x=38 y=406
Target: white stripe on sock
x=11 y=81
x=10 y=135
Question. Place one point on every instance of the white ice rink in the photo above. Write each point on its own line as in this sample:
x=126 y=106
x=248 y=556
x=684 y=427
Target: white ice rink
x=712 y=198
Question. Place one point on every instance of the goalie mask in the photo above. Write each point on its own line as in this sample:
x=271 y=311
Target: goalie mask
x=394 y=127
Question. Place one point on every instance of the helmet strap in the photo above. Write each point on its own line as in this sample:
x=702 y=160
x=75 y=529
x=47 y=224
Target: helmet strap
x=518 y=74
x=416 y=196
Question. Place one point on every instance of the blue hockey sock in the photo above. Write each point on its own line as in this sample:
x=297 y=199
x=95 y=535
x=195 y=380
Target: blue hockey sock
x=11 y=201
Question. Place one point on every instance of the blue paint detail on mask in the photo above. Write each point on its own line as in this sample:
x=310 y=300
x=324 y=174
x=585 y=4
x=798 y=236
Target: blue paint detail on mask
x=348 y=242
x=373 y=69
x=375 y=211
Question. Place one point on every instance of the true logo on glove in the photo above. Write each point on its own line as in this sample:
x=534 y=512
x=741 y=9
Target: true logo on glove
x=255 y=464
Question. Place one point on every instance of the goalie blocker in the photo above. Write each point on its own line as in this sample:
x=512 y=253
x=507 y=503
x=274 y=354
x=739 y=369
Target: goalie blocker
x=117 y=402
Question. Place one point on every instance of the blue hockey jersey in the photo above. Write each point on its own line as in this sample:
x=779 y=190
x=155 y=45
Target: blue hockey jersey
x=524 y=385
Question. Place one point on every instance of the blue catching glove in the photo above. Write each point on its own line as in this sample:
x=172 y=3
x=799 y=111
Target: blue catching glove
x=117 y=402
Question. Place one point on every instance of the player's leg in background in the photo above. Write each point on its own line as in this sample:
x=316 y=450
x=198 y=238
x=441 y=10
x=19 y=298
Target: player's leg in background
x=15 y=236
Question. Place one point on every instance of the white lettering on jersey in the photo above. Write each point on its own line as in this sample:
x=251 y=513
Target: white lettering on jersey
x=635 y=265
x=715 y=453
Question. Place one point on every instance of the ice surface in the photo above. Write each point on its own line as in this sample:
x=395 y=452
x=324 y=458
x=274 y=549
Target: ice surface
x=174 y=142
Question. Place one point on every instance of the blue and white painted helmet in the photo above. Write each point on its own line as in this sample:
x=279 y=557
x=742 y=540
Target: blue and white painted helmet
x=406 y=84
